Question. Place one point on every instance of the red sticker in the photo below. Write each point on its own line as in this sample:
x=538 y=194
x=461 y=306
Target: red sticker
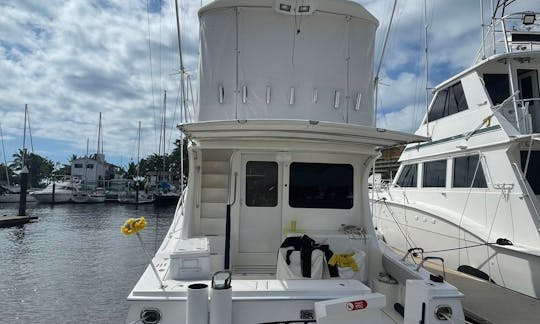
x=356 y=305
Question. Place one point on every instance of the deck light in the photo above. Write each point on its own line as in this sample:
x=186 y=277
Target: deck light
x=529 y=18
x=284 y=7
x=303 y=8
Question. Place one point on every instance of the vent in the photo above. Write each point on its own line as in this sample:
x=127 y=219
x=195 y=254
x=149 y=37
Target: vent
x=255 y=270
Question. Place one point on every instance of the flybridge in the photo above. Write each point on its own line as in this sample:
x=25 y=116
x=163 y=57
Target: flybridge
x=277 y=60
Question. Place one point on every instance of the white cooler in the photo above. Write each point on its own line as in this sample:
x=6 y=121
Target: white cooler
x=190 y=260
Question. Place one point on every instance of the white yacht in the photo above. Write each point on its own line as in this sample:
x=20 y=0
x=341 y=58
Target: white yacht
x=56 y=192
x=94 y=196
x=275 y=224
x=470 y=194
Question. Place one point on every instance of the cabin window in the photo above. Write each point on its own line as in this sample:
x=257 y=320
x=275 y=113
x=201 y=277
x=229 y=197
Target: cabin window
x=78 y=165
x=89 y=166
x=447 y=102
x=321 y=185
x=434 y=174
x=407 y=177
x=464 y=172
x=498 y=87
x=533 y=172
x=261 y=184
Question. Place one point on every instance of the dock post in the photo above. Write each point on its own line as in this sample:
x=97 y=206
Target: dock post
x=22 y=194
x=53 y=191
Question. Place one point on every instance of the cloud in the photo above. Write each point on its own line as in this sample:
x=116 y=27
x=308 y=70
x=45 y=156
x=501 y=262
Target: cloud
x=70 y=60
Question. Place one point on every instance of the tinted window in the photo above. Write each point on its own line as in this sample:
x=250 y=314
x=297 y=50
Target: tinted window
x=533 y=172
x=261 y=184
x=434 y=174
x=464 y=172
x=89 y=166
x=447 y=102
x=321 y=185
x=497 y=86
x=78 y=165
x=407 y=177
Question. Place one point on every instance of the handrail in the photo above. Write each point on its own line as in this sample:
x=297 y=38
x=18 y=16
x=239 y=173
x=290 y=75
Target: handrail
x=502 y=27
x=526 y=188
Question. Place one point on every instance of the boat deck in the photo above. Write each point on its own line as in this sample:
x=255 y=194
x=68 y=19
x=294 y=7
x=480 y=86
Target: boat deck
x=488 y=303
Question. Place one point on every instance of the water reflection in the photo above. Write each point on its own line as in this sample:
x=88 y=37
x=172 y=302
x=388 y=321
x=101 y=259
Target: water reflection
x=73 y=265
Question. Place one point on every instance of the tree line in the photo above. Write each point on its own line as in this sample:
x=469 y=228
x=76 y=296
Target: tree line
x=42 y=170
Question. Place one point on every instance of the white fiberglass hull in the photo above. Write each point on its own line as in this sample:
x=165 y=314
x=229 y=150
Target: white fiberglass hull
x=86 y=198
x=47 y=197
x=511 y=266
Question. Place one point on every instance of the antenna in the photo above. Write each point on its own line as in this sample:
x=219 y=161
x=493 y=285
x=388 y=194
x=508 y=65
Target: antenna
x=427 y=66
x=386 y=36
x=482 y=27
x=183 y=90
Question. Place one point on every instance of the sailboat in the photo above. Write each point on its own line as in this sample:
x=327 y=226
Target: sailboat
x=138 y=197
x=165 y=193
x=471 y=194
x=274 y=225
x=91 y=192
x=10 y=193
x=7 y=194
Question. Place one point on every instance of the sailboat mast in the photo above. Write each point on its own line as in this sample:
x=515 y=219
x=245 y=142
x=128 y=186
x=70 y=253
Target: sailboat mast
x=99 y=147
x=4 y=153
x=24 y=134
x=138 y=162
x=164 y=123
x=427 y=66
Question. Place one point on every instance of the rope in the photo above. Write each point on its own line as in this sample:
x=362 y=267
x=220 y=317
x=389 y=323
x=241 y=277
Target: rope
x=461 y=248
x=466 y=202
x=397 y=223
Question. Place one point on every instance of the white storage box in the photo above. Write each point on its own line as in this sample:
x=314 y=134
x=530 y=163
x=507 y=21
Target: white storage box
x=190 y=260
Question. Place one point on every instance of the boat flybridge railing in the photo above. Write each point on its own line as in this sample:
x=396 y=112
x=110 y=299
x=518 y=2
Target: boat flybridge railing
x=511 y=33
x=520 y=112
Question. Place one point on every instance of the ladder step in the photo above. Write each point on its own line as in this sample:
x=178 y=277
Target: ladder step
x=214 y=195
x=215 y=180
x=213 y=210
x=215 y=167
x=216 y=155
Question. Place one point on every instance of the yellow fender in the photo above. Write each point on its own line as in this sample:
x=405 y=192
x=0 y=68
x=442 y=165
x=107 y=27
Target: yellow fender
x=133 y=225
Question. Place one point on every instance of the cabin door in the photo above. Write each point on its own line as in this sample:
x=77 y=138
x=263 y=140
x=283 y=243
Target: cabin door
x=528 y=87
x=259 y=227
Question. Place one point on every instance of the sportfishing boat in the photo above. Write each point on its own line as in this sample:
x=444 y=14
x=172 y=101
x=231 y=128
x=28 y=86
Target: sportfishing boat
x=56 y=192
x=470 y=194
x=274 y=225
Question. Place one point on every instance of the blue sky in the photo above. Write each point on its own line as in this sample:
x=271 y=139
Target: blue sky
x=70 y=60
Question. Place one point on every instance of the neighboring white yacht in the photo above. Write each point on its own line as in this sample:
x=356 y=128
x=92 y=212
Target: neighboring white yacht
x=93 y=196
x=56 y=192
x=471 y=193
x=277 y=193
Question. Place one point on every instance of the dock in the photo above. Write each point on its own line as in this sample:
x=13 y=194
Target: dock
x=7 y=221
x=487 y=303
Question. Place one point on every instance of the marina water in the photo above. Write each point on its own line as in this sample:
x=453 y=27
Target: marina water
x=73 y=265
